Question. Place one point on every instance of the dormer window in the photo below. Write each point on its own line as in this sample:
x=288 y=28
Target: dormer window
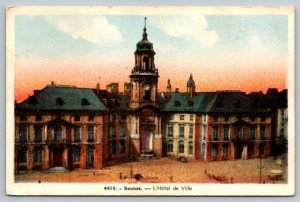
x=59 y=101
x=177 y=103
x=190 y=104
x=85 y=102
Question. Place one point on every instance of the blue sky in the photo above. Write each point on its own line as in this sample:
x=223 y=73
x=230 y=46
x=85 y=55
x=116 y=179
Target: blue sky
x=246 y=49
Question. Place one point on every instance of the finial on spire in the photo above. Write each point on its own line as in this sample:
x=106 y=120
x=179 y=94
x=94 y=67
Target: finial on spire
x=145 y=31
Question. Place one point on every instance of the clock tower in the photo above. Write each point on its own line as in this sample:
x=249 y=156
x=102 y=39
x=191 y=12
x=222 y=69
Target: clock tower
x=144 y=75
x=145 y=118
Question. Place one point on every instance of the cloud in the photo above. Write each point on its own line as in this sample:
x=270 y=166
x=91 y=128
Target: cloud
x=95 y=29
x=189 y=27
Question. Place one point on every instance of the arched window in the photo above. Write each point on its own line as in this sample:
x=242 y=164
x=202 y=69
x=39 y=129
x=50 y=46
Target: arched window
x=146 y=63
x=181 y=146
x=59 y=101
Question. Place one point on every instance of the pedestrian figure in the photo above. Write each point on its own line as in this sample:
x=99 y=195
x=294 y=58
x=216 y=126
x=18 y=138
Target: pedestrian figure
x=121 y=176
x=171 y=178
x=205 y=171
x=231 y=180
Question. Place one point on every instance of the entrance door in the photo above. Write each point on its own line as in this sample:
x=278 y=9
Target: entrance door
x=146 y=141
x=57 y=157
x=90 y=158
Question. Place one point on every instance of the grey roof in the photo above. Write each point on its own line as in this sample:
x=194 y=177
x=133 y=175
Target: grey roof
x=54 y=97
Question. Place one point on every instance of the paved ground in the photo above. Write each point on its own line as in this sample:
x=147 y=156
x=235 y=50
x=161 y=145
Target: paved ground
x=169 y=170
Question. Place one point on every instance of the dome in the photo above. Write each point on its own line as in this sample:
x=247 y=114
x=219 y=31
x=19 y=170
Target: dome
x=191 y=82
x=144 y=44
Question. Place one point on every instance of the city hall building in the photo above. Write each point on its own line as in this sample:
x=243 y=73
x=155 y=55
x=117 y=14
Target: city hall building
x=71 y=127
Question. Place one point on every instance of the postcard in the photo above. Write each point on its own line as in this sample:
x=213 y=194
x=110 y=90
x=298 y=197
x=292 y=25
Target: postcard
x=145 y=101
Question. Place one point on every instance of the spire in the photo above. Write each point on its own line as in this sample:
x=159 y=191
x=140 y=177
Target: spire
x=145 y=31
x=169 y=86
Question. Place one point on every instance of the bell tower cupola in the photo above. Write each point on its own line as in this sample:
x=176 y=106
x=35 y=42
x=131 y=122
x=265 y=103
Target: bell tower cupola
x=144 y=75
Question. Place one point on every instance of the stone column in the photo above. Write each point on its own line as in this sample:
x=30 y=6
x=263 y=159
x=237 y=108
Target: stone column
x=31 y=133
x=45 y=158
x=158 y=145
x=30 y=158
x=82 y=163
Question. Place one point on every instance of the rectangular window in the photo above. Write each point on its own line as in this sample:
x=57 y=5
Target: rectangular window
x=181 y=130
x=112 y=134
x=171 y=117
x=203 y=131
x=91 y=118
x=181 y=117
x=23 y=133
x=76 y=154
x=252 y=132
x=170 y=146
x=240 y=132
x=226 y=119
x=91 y=134
x=38 y=118
x=214 y=151
x=263 y=132
x=77 y=118
x=191 y=117
x=191 y=131
x=123 y=117
x=22 y=155
x=181 y=147
x=113 y=117
x=216 y=118
x=170 y=130
x=224 y=151
x=38 y=134
x=113 y=147
x=122 y=146
x=122 y=132
x=252 y=119
x=77 y=132
x=263 y=119
x=37 y=155
x=215 y=134
x=225 y=132
x=190 y=147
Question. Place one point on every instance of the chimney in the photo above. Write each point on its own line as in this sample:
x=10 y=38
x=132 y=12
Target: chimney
x=176 y=90
x=98 y=87
x=127 y=88
x=113 y=88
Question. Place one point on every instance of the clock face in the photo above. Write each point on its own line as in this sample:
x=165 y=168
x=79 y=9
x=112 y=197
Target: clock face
x=146 y=86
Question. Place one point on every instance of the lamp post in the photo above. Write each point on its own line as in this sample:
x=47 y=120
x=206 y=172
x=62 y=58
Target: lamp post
x=260 y=167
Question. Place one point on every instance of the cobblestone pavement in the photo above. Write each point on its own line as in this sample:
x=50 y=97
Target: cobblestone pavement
x=168 y=170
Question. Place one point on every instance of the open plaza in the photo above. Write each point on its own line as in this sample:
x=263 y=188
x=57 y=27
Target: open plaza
x=169 y=170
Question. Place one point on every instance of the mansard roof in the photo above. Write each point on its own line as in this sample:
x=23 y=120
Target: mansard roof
x=182 y=102
x=224 y=102
x=56 y=97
